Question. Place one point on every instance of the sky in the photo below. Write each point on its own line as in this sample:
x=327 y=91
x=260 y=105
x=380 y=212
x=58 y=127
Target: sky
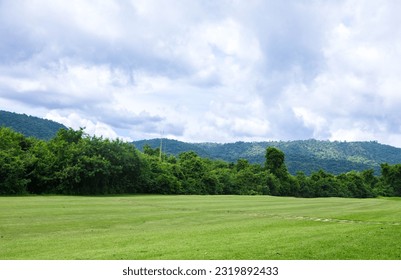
x=206 y=70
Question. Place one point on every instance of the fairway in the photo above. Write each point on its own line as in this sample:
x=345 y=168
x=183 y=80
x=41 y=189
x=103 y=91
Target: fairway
x=199 y=227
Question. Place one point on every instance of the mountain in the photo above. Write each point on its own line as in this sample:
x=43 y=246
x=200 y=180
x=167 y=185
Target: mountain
x=29 y=125
x=302 y=155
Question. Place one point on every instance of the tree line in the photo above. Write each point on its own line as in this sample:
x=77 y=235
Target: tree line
x=74 y=163
x=300 y=155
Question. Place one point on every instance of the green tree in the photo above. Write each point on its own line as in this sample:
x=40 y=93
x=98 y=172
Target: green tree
x=391 y=178
x=275 y=163
x=305 y=189
x=273 y=184
x=193 y=169
x=42 y=170
x=360 y=188
x=14 y=159
x=275 y=166
x=325 y=184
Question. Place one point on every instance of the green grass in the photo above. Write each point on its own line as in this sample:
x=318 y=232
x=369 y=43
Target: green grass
x=199 y=227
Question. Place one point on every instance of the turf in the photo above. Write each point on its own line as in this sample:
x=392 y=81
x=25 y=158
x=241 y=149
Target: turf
x=199 y=227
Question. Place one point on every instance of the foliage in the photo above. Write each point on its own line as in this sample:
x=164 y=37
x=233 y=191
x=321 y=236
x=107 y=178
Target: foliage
x=13 y=162
x=70 y=163
x=275 y=163
x=74 y=163
x=307 y=156
x=30 y=126
x=391 y=178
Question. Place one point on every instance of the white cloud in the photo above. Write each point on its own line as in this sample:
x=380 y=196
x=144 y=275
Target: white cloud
x=206 y=70
x=311 y=120
x=75 y=121
x=22 y=84
x=242 y=117
x=354 y=96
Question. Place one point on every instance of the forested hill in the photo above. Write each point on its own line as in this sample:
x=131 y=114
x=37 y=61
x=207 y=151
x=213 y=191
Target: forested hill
x=303 y=155
x=29 y=125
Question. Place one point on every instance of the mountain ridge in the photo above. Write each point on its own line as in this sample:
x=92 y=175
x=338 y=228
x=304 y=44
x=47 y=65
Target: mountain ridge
x=30 y=126
x=307 y=156
x=301 y=155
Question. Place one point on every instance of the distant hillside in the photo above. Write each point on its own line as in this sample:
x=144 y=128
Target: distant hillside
x=303 y=155
x=29 y=125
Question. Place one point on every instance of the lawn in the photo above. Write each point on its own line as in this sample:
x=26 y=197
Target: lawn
x=199 y=227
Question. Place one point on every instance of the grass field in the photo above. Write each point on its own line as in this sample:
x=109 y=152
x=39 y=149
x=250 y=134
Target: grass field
x=199 y=227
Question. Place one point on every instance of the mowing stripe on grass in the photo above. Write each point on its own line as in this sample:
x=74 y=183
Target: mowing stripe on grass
x=198 y=227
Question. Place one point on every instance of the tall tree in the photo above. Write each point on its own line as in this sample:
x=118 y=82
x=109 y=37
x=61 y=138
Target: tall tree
x=275 y=163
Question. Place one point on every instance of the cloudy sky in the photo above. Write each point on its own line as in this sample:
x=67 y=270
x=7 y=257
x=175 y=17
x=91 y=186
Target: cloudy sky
x=206 y=70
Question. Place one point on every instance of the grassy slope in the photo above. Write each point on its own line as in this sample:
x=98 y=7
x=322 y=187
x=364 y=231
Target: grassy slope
x=198 y=227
